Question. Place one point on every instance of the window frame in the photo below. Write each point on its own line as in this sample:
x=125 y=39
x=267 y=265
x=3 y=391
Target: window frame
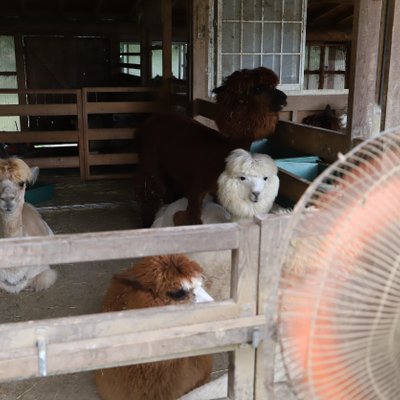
x=215 y=56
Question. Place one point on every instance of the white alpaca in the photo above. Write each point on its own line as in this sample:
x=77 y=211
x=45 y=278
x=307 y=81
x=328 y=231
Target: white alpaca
x=17 y=219
x=247 y=187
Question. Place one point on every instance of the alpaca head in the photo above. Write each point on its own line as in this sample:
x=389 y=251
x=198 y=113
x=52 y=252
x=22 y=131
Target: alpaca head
x=326 y=119
x=248 y=103
x=162 y=280
x=14 y=176
x=248 y=185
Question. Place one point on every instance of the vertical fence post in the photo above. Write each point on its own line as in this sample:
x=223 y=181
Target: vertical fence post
x=271 y=234
x=80 y=98
x=244 y=292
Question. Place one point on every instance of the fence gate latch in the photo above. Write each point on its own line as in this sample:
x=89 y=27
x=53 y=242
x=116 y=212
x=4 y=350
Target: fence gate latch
x=256 y=339
x=41 y=343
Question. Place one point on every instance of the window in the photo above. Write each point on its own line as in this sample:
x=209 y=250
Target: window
x=8 y=80
x=256 y=33
x=178 y=55
x=129 y=58
x=325 y=66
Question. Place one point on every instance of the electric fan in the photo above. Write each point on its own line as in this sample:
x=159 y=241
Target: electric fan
x=339 y=306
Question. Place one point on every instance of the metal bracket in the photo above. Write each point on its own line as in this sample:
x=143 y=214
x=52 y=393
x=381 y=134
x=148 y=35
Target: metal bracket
x=41 y=344
x=256 y=338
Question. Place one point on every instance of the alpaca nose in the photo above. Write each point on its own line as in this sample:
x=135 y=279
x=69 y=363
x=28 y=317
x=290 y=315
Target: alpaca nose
x=254 y=195
x=7 y=201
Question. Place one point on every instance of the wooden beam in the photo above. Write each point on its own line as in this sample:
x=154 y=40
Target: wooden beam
x=392 y=92
x=363 y=117
x=311 y=140
x=199 y=68
x=333 y=34
x=61 y=249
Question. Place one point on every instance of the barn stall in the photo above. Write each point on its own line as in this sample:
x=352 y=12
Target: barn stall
x=96 y=112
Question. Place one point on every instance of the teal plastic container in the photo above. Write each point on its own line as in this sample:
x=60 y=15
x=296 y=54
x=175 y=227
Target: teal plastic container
x=39 y=193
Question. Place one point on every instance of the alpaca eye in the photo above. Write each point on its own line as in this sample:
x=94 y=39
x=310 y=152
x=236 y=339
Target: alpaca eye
x=21 y=184
x=265 y=178
x=178 y=295
x=242 y=178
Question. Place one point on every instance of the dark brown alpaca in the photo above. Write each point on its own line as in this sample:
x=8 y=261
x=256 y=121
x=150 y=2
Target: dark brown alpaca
x=326 y=119
x=179 y=157
x=155 y=281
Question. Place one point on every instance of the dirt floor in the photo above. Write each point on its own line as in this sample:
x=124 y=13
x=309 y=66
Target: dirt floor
x=80 y=288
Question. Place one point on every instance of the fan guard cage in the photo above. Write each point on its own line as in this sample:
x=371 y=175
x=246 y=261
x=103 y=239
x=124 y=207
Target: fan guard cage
x=339 y=311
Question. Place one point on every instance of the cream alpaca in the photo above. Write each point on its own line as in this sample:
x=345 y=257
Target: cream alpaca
x=17 y=219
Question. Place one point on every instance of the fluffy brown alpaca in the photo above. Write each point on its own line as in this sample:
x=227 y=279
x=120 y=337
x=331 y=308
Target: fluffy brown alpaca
x=179 y=157
x=155 y=281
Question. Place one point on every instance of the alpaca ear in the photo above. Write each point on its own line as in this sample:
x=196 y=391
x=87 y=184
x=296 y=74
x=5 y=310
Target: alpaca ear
x=219 y=89
x=129 y=281
x=35 y=174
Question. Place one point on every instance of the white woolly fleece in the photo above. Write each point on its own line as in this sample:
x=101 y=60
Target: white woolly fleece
x=249 y=184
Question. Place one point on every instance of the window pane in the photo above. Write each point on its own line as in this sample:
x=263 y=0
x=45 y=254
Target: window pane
x=251 y=61
x=290 y=69
x=251 y=38
x=314 y=58
x=231 y=9
x=273 y=10
x=8 y=98
x=272 y=38
x=272 y=62
x=230 y=64
x=7 y=54
x=230 y=37
x=293 y=10
x=334 y=81
x=311 y=81
x=252 y=10
x=8 y=82
x=291 y=38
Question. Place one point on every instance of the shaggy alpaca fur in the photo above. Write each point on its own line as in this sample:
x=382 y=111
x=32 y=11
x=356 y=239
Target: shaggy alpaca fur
x=326 y=119
x=179 y=157
x=249 y=184
x=17 y=219
x=247 y=187
x=155 y=281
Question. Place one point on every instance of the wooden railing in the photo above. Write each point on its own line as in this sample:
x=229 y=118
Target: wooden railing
x=241 y=325
x=86 y=118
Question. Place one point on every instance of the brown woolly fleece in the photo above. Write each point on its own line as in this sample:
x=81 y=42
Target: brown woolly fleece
x=148 y=284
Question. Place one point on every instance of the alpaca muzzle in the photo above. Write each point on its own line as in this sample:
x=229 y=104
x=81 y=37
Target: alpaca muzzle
x=279 y=100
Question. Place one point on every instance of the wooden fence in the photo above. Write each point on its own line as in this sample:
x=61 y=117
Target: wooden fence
x=105 y=147
x=82 y=118
x=242 y=325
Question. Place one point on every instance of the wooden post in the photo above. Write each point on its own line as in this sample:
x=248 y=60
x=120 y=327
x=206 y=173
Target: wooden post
x=272 y=228
x=244 y=291
x=392 y=92
x=166 y=12
x=200 y=40
x=363 y=112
